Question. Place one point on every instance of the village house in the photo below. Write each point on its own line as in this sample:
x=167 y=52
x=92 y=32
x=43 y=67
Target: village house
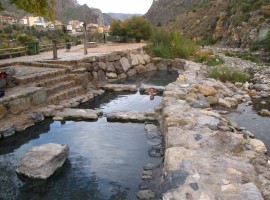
x=8 y=20
x=59 y=25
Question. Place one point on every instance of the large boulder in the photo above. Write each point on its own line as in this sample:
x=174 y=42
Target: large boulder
x=42 y=161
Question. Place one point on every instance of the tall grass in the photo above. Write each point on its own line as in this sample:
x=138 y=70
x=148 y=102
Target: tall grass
x=171 y=44
x=208 y=58
x=224 y=73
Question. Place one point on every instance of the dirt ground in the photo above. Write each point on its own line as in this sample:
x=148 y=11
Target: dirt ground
x=110 y=47
x=76 y=52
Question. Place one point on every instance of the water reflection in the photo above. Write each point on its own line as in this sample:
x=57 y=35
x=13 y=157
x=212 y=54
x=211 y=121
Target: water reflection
x=159 y=78
x=259 y=104
x=247 y=116
x=10 y=144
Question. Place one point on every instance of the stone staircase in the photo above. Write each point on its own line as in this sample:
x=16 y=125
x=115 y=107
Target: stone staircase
x=58 y=83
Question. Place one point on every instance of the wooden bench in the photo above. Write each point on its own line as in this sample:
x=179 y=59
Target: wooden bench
x=91 y=45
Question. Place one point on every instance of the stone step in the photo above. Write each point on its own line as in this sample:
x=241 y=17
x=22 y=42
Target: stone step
x=30 y=78
x=68 y=67
x=71 y=92
x=51 y=81
x=60 y=86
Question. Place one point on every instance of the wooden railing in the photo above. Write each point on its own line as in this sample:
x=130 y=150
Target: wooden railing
x=48 y=47
x=22 y=51
x=13 y=52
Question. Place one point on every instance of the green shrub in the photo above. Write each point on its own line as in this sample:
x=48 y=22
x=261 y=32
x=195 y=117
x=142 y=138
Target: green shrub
x=237 y=20
x=168 y=44
x=266 y=42
x=255 y=46
x=208 y=58
x=23 y=38
x=229 y=54
x=224 y=73
x=245 y=7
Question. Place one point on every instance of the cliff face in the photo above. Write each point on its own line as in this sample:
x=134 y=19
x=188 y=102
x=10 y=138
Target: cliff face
x=232 y=23
x=70 y=10
x=163 y=11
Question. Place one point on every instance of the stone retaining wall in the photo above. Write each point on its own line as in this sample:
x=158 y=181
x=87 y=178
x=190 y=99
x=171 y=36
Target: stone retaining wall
x=23 y=100
x=207 y=156
x=120 y=65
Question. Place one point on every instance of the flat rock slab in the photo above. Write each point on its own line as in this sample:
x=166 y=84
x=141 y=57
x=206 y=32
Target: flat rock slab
x=18 y=92
x=145 y=88
x=120 y=87
x=131 y=116
x=42 y=161
x=24 y=71
x=77 y=114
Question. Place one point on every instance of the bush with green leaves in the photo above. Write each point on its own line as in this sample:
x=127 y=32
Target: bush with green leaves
x=23 y=39
x=136 y=27
x=266 y=42
x=171 y=44
x=225 y=73
x=208 y=58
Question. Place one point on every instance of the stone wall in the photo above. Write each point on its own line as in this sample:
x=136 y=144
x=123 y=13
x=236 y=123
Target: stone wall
x=120 y=65
x=22 y=100
x=207 y=156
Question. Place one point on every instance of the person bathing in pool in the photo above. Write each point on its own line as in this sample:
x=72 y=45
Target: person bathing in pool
x=152 y=93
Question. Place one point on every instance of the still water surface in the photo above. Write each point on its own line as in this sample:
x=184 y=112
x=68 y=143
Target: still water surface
x=105 y=159
x=248 y=117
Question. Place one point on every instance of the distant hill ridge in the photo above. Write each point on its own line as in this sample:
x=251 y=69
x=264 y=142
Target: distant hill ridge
x=122 y=16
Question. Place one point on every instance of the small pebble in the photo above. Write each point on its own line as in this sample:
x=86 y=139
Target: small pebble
x=198 y=137
x=194 y=186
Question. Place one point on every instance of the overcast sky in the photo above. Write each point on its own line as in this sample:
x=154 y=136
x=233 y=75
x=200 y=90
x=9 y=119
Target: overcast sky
x=119 y=6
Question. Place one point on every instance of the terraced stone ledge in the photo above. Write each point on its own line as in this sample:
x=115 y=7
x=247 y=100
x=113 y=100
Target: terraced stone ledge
x=132 y=116
x=120 y=87
x=77 y=114
x=207 y=156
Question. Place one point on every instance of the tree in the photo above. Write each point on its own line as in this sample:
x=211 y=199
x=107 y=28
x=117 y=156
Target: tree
x=116 y=29
x=136 y=27
x=43 y=8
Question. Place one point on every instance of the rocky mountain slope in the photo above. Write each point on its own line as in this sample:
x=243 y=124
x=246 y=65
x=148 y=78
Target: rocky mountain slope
x=163 y=11
x=66 y=10
x=233 y=23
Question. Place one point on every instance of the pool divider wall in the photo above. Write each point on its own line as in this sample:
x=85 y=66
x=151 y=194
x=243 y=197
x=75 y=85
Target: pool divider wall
x=206 y=155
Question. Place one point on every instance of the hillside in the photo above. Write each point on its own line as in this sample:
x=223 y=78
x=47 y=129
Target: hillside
x=162 y=11
x=66 y=10
x=232 y=23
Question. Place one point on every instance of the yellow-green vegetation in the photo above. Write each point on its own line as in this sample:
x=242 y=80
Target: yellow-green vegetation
x=208 y=58
x=136 y=27
x=225 y=73
x=171 y=44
